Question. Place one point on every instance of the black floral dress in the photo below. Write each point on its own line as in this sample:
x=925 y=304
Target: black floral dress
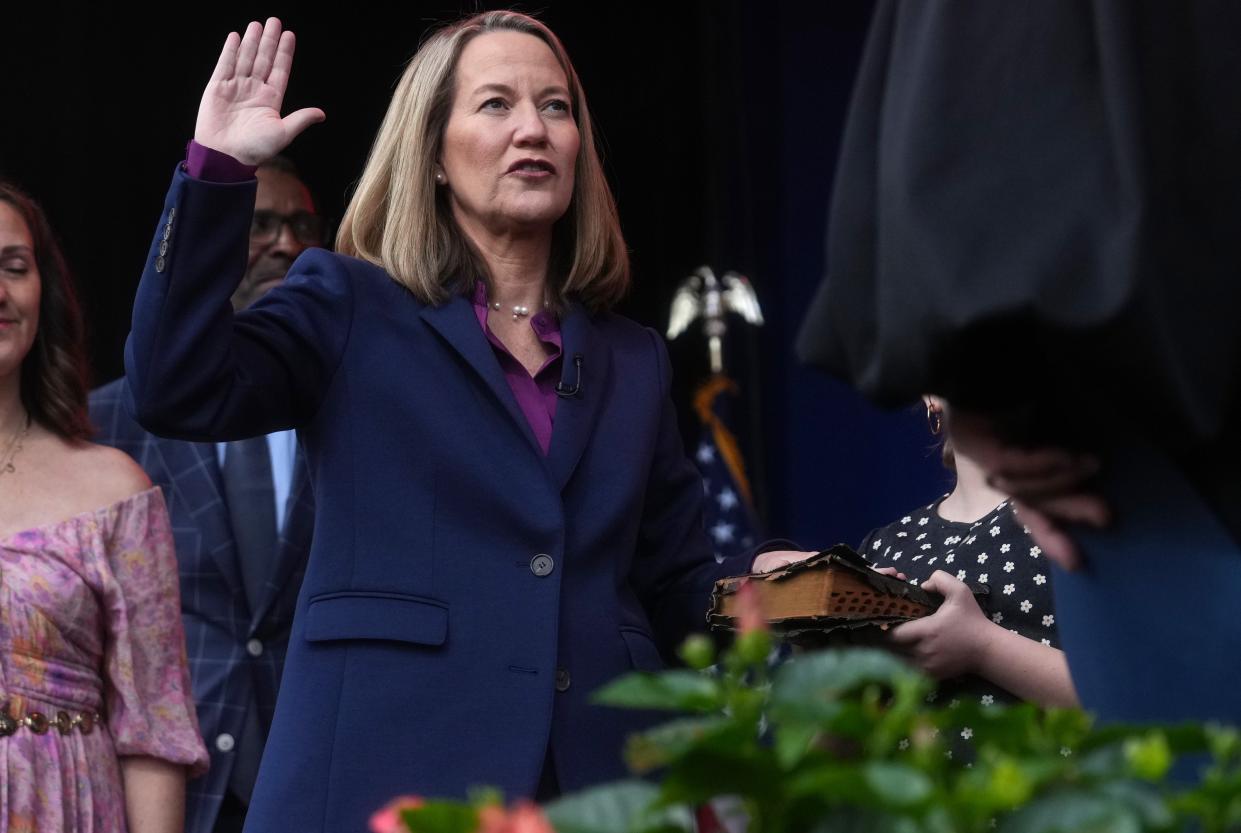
x=995 y=551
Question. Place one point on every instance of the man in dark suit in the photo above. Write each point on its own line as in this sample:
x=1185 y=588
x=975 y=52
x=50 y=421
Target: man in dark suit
x=242 y=514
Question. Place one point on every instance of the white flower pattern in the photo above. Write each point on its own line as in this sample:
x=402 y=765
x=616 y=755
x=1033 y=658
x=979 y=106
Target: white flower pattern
x=1025 y=604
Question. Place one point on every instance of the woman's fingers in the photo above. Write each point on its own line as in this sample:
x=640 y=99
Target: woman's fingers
x=1033 y=476
x=1055 y=544
x=249 y=49
x=1086 y=509
x=227 y=63
x=282 y=64
x=908 y=634
x=265 y=57
x=946 y=585
x=299 y=120
x=774 y=559
x=890 y=571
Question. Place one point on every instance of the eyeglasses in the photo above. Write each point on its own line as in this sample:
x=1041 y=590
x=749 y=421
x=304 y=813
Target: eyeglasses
x=307 y=228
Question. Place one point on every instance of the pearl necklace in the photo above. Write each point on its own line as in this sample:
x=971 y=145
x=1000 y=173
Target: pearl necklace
x=519 y=310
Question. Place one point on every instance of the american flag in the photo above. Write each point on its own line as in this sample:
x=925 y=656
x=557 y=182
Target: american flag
x=728 y=511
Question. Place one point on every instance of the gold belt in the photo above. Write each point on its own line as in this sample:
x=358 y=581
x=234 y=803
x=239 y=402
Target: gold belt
x=39 y=723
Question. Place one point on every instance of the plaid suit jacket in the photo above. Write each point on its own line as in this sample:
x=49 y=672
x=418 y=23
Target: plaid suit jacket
x=236 y=654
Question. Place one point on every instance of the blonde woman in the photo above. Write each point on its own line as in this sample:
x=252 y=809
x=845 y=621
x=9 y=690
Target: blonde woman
x=505 y=517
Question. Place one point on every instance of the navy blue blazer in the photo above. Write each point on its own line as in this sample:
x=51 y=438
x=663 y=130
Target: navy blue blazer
x=236 y=654
x=465 y=593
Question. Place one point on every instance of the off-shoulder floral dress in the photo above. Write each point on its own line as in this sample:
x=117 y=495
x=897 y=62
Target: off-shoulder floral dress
x=92 y=666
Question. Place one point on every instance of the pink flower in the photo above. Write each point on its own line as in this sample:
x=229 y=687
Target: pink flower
x=749 y=611
x=388 y=820
x=524 y=817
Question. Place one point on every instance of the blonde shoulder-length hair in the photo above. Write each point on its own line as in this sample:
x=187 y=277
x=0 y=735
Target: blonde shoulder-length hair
x=399 y=220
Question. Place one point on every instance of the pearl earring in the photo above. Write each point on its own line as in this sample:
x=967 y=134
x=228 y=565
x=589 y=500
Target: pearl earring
x=440 y=179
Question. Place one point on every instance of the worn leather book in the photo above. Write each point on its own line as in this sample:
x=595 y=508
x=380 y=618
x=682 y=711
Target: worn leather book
x=828 y=592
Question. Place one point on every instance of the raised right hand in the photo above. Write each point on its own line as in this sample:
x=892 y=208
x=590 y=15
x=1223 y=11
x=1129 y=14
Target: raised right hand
x=240 y=110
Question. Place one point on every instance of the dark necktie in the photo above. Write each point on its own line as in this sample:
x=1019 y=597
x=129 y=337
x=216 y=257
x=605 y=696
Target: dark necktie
x=250 y=493
x=251 y=497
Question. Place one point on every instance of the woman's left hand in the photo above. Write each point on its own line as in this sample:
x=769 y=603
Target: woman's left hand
x=952 y=640
x=1051 y=488
x=774 y=560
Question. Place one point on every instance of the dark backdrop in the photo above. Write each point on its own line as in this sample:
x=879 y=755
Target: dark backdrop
x=720 y=123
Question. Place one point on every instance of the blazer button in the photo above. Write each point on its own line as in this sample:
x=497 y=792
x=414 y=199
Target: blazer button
x=167 y=232
x=159 y=264
x=542 y=565
x=224 y=742
x=254 y=648
x=563 y=680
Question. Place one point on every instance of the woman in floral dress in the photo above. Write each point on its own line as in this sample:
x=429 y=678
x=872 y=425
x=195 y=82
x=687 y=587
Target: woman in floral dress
x=97 y=725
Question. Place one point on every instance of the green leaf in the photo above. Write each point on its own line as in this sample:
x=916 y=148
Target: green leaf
x=832 y=782
x=810 y=684
x=658 y=747
x=677 y=690
x=717 y=767
x=750 y=650
x=792 y=742
x=1224 y=742
x=1076 y=811
x=1143 y=799
x=698 y=651
x=897 y=785
x=1149 y=757
x=621 y=807
x=441 y=817
x=859 y=820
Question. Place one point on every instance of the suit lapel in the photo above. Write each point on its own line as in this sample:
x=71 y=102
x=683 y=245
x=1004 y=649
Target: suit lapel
x=194 y=474
x=457 y=324
x=576 y=415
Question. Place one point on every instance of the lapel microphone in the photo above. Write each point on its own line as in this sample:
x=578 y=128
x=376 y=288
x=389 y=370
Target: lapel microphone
x=570 y=391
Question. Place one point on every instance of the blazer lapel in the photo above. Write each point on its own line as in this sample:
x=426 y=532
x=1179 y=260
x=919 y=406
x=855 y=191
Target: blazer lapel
x=576 y=415
x=457 y=324
x=194 y=474
x=295 y=537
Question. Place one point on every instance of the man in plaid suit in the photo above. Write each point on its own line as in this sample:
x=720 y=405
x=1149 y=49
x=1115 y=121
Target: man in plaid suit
x=242 y=515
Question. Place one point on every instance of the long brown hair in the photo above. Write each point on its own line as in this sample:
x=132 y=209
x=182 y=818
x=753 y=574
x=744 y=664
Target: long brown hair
x=396 y=221
x=54 y=378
